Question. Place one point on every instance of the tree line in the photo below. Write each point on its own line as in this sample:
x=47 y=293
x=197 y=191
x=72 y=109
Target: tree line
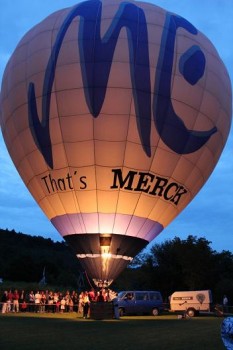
x=24 y=258
x=176 y=264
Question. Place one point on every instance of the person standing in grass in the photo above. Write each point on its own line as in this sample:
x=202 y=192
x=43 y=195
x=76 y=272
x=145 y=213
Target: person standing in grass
x=4 y=302
x=31 y=299
x=63 y=304
x=225 y=303
x=115 y=307
x=9 y=301
x=80 y=302
x=38 y=301
x=43 y=301
x=86 y=304
x=24 y=306
x=15 y=301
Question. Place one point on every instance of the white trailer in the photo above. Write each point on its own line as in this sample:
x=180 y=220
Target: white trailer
x=191 y=302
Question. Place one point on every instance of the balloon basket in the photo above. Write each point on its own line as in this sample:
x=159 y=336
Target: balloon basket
x=101 y=311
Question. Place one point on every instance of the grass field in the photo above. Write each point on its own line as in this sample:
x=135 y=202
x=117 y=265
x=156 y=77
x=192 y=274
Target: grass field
x=70 y=331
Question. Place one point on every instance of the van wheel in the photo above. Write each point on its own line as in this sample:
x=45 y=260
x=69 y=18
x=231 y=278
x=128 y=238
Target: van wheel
x=191 y=312
x=155 y=312
x=121 y=312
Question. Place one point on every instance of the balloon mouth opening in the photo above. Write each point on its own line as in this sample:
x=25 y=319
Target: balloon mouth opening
x=104 y=256
x=105 y=253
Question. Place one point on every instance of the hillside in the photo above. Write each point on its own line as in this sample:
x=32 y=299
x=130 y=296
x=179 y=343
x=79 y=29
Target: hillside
x=24 y=258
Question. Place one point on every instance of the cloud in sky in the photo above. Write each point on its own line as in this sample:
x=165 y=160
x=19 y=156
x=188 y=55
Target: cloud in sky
x=210 y=213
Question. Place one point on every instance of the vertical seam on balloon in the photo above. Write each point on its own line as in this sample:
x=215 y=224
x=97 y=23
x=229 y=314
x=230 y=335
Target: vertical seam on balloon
x=55 y=97
x=93 y=120
x=62 y=143
x=123 y=165
x=140 y=194
x=29 y=164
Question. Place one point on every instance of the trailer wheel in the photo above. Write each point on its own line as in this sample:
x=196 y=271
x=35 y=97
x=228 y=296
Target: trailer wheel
x=191 y=312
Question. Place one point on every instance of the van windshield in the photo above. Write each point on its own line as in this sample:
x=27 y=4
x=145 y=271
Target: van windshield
x=120 y=295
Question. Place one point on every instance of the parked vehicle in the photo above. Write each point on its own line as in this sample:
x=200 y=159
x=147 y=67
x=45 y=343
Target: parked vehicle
x=191 y=302
x=140 y=302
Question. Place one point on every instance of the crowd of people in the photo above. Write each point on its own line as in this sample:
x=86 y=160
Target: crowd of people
x=49 y=301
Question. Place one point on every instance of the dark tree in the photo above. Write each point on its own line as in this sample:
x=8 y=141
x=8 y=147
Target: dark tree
x=176 y=264
x=24 y=257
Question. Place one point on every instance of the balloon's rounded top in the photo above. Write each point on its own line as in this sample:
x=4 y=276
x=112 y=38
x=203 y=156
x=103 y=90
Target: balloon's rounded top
x=115 y=113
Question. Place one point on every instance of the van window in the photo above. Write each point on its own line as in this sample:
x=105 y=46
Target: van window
x=142 y=296
x=155 y=296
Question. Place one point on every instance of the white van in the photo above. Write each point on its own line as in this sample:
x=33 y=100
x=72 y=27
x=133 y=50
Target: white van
x=191 y=302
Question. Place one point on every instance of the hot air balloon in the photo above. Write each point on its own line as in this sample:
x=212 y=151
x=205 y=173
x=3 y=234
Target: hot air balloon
x=115 y=114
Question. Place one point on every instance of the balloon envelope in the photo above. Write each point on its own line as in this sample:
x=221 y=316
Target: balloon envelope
x=115 y=114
